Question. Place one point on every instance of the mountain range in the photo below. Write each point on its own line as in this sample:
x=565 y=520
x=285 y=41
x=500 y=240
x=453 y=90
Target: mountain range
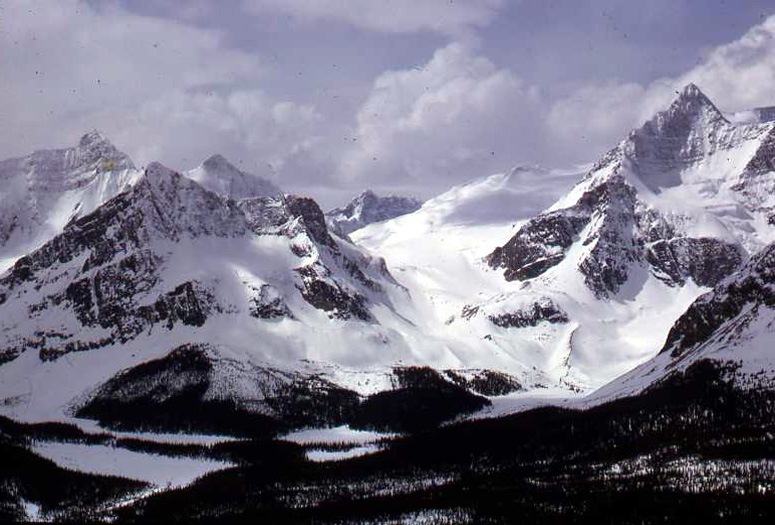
x=211 y=302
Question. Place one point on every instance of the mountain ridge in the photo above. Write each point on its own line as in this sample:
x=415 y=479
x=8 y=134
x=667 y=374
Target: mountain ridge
x=367 y=208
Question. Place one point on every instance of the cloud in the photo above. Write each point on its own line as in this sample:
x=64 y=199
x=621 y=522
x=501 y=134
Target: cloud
x=390 y=16
x=740 y=75
x=455 y=116
x=592 y=118
x=247 y=126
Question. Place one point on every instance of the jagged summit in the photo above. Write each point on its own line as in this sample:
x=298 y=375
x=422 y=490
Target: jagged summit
x=218 y=162
x=692 y=103
x=692 y=92
x=692 y=143
x=96 y=151
x=93 y=137
x=217 y=174
x=368 y=208
x=156 y=168
x=686 y=155
x=366 y=194
x=692 y=127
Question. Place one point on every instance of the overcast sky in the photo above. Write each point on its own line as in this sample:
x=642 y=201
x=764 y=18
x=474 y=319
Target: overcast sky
x=328 y=97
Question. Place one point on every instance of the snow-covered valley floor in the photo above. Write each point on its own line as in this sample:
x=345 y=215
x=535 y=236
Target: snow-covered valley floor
x=160 y=470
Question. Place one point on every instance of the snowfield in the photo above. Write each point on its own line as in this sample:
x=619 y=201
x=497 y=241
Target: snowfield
x=163 y=471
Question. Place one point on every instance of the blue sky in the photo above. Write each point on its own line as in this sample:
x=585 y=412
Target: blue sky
x=330 y=96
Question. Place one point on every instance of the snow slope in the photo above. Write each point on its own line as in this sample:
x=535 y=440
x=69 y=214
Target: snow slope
x=437 y=253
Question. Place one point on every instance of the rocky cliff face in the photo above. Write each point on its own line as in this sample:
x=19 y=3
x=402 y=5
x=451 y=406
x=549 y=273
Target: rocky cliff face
x=104 y=269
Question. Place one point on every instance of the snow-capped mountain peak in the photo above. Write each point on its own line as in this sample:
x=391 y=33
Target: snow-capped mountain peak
x=94 y=139
x=691 y=104
x=692 y=127
x=221 y=176
x=691 y=98
x=94 y=152
x=42 y=192
x=217 y=161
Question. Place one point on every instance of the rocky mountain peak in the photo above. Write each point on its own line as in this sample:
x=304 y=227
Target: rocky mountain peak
x=180 y=207
x=691 y=108
x=692 y=92
x=366 y=195
x=157 y=170
x=218 y=162
x=693 y=103
x=313 y=217
x=95 y=151
x=690 y=129
x=160 y=177
x=93 y=138
x=614 y=228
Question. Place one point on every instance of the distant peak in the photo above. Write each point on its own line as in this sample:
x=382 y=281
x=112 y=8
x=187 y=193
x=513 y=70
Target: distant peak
x=93 y=137
x=156 y=170
x=218 y=162
x=691 y=100
x=528 y=168
x=155 y=166
x=95 y=150
x=366 y=194
x=219 y=175
x=691 y=90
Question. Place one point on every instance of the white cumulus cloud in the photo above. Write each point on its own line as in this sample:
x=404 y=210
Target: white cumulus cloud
x=448 y=119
